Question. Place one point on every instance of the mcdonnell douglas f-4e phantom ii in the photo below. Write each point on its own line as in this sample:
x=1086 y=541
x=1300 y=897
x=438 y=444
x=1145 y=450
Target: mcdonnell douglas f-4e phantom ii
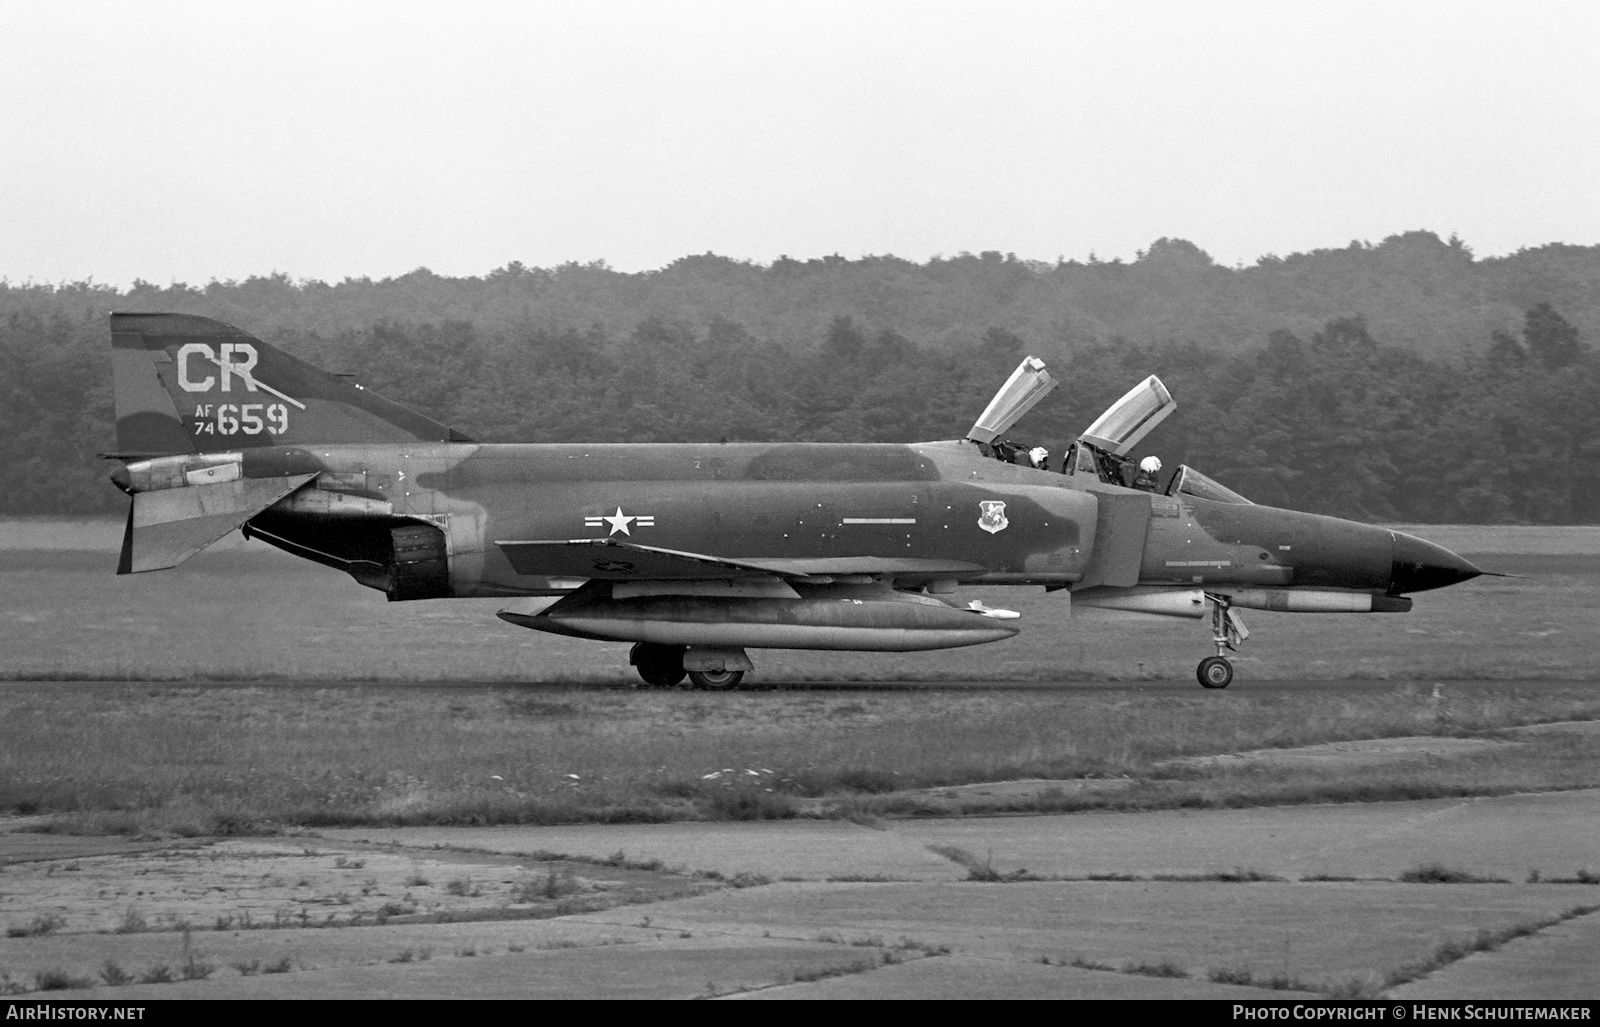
x=697 y=552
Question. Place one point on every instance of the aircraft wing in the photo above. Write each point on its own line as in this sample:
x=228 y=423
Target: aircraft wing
x=621 y=561
x=844 y=566
x=613 y=560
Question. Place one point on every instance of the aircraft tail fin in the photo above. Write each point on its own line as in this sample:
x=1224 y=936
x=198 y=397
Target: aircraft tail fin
x=190 y=384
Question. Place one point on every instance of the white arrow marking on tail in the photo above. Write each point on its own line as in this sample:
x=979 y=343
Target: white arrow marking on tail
x=243 y=371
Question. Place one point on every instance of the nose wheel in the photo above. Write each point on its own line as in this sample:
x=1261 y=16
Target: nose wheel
x=1227 y=634
x=1214 y=672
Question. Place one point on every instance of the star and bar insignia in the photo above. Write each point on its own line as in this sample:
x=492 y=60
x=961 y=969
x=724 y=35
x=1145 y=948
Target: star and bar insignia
x=620 y=521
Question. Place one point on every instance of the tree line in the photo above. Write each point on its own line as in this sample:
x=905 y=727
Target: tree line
x=1499 y=426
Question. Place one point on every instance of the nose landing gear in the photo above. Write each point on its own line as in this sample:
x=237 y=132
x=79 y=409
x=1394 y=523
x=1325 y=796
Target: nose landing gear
x=1214 y=672
x=1227 y=633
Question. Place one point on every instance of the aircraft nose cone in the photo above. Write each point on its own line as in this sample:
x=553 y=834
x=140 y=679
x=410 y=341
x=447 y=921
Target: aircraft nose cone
x=1418 y=565
x=121 y=478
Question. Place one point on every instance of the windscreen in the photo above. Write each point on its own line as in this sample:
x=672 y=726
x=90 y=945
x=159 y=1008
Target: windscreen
x=1191 y=482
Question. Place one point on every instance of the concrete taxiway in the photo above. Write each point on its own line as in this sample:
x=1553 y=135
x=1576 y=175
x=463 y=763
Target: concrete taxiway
x=1226 y=903
x=1555 y=833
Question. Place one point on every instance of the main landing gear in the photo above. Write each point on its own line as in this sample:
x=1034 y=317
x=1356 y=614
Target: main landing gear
x=1227 y=632
x=717 y=680
x=663 y=666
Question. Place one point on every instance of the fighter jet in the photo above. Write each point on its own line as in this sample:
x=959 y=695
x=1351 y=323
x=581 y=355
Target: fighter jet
x=697 y=553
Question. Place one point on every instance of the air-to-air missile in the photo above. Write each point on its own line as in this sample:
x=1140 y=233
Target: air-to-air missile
x=697 y=552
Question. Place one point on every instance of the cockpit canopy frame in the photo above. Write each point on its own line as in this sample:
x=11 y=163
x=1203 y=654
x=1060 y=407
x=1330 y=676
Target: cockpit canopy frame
x=1028 y=384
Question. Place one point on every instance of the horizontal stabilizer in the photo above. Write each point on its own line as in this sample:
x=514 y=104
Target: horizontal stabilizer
x=168 y=526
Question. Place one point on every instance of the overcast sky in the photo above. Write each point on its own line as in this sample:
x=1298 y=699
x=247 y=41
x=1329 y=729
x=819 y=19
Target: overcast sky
x=197 y=141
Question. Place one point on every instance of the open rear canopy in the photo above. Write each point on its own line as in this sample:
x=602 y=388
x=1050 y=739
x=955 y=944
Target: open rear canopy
x=1131 y=418
x=1027 y=385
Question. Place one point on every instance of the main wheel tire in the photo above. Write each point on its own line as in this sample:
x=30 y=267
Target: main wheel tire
x=661 y=666
x=1214 y=672
x=716 y=680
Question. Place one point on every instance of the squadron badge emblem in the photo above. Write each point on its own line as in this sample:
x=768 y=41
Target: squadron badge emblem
x=993 y=518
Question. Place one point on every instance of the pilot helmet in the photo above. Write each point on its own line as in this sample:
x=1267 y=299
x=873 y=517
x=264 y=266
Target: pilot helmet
x=1038 y=454
x=1150 y=464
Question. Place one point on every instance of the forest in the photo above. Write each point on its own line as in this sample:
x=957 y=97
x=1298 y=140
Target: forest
x=1402 y=381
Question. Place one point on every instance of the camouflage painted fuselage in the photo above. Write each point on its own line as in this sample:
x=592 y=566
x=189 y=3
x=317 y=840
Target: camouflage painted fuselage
x=910 y=514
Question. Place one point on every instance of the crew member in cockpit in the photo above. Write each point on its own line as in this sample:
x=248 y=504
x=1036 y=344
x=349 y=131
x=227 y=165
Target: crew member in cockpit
x=1115 y=469
x=1038 y=456
x=1147 y=479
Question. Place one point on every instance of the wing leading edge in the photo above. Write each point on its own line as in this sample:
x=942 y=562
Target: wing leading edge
x=613 y=560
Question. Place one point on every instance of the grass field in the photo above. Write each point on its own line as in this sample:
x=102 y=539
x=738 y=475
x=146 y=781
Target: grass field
x=209 y=759
x=244 y=692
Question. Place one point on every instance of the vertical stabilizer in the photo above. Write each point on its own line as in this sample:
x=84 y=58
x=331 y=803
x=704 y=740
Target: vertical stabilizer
x=147 y=420
x=188 y=384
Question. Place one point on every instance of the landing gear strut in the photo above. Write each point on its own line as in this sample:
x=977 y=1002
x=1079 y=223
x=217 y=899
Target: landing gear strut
x=661 y=666
x=1227 y=633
